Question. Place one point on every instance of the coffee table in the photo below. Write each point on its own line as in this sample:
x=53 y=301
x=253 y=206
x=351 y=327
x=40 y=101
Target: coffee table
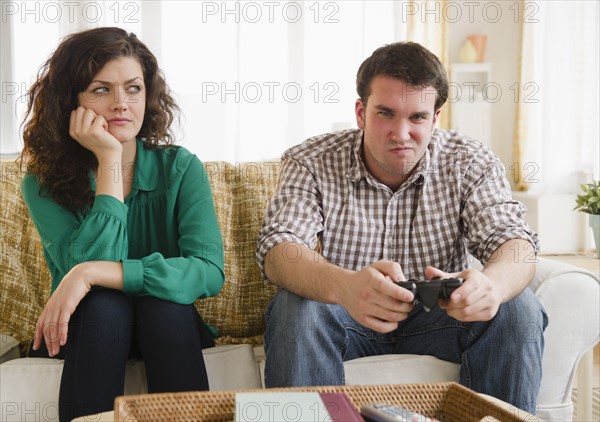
x=448 y=402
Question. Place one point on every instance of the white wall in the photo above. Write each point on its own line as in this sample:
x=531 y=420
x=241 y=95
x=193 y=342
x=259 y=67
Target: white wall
x=572 y=234
x=496 y=19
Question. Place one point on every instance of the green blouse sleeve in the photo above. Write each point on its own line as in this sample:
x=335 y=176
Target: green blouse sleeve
x=70 y=238
x=198 y=271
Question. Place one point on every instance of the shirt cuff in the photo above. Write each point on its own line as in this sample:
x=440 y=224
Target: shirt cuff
x=133 y=276
x=110 y=205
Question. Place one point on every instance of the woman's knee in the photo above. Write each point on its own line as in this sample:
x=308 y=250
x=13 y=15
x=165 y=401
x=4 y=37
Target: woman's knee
x=158 y=312
x=103 y=315
x=165 y=321
x=103 y=320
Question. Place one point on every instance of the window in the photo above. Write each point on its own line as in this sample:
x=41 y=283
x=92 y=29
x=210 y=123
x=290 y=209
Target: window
x=251 y=78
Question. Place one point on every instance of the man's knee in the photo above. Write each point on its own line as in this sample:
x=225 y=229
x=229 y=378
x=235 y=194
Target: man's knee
x=290 y=317
x=524 y=317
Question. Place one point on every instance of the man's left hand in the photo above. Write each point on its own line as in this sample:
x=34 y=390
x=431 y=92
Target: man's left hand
x=478 y=299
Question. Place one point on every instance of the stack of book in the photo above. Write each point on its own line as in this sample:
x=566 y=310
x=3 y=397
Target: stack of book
x=294 y=406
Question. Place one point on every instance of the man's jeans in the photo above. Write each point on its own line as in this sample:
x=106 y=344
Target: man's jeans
x=306 y=343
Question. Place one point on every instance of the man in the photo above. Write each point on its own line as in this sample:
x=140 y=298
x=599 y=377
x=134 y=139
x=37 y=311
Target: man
x=393 y=200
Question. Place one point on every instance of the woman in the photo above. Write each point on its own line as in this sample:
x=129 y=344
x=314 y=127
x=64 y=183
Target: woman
x=126 y=219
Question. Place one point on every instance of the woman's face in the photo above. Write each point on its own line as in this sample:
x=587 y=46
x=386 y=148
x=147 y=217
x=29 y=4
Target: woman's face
x=118 y=94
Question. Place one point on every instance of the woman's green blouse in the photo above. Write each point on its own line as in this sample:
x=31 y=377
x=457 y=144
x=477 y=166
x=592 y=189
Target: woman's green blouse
x=166 y=233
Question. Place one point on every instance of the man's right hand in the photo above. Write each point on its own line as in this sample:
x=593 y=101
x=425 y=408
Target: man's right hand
x=369 y=296
x=373 y=300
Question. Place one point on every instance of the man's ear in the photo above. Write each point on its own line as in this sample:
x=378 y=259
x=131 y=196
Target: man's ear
x=359 y=110
x=435 y=117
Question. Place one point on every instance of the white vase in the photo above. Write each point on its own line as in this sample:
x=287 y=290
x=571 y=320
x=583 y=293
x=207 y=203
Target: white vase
x=468 y=53
x=595 y=225
x=478 y=41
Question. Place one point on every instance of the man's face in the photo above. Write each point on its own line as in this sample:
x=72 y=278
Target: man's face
x=398 y=121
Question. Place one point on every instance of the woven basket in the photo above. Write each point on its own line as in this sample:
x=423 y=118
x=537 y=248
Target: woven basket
x=448 y=402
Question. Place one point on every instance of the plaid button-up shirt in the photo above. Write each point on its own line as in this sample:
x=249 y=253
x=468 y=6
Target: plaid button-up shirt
x=457 y=201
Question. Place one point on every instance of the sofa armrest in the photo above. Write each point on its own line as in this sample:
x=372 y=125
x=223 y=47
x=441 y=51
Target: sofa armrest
x=9 y=348
x=570 y=296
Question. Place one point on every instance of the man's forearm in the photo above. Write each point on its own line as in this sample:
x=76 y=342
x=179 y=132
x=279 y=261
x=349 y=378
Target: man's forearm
x=304 y=272
x=512 y=265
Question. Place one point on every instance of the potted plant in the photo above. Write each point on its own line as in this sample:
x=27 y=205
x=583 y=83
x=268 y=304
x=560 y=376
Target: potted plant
x=589 y=202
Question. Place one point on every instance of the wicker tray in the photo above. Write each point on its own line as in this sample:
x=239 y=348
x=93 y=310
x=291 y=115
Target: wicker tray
x=448 y=402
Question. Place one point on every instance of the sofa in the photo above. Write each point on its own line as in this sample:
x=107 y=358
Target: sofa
x=29 y=386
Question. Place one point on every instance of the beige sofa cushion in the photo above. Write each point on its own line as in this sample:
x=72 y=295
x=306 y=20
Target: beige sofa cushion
x=240 y=193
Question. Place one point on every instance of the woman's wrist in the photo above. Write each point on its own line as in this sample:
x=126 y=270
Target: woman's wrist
x=103 y=273
x=108 y=177
x=84 y=271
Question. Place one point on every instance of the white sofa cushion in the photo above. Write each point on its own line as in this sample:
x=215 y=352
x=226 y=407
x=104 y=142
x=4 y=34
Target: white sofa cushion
x=388 y=369
x=399 y=369
x=231 y=367
x=30 y=386
x=30 y=389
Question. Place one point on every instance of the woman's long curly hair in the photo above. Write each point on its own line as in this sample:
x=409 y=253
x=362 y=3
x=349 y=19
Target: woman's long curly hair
x=60 y=163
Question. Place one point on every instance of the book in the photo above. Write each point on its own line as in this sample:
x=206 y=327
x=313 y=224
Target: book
x=294 y=407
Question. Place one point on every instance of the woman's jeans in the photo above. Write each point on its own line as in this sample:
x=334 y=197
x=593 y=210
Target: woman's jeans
x=306 y=343
x=107 y=328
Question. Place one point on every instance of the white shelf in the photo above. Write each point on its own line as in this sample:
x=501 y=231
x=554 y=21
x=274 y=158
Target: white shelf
x=469 y=111
x=471 y=67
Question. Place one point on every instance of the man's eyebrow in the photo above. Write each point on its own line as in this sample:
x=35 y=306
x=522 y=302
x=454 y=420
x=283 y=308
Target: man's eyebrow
x=384 y=108
x=128 y=81
x=422 y=113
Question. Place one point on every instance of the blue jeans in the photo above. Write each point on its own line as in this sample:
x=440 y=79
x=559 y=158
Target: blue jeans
x=306 y=343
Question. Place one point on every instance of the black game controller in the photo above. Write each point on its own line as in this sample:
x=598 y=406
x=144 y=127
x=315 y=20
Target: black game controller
x=429 y=292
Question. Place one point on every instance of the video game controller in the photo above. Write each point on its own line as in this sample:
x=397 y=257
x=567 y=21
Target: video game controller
x=430 y=291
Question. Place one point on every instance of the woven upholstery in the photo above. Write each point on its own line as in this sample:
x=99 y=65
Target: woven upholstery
x=25 y=283
x=240 y=194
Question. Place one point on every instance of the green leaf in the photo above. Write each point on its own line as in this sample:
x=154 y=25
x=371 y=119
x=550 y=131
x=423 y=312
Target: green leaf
x=589 y=201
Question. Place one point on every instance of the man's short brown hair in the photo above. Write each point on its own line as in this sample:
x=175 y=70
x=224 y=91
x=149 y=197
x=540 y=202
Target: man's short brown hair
x=408 y=61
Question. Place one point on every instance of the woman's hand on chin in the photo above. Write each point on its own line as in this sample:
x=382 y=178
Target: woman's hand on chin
x=91 y=131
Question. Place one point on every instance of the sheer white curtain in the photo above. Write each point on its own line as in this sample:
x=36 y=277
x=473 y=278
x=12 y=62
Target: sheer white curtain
x=30 y=31
x=252 y=78
x=557 y=134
